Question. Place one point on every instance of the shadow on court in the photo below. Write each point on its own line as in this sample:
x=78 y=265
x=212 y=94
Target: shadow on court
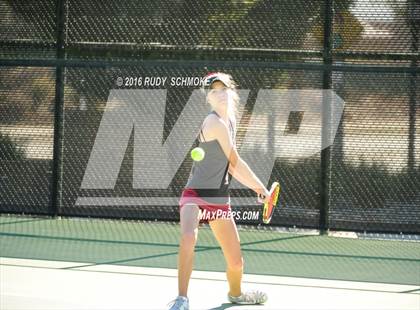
x=227 y=305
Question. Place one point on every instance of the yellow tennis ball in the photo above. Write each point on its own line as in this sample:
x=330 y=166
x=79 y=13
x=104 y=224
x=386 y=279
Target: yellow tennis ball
x=197 y=154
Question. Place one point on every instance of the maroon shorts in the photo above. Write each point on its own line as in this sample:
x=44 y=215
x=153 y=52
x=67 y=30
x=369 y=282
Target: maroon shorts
x=208 y=210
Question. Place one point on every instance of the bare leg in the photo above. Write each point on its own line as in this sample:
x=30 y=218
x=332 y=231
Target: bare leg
x=227 y=235
x=189 y=218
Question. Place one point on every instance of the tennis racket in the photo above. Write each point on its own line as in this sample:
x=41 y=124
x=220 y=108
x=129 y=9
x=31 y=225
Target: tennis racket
x=269 y=206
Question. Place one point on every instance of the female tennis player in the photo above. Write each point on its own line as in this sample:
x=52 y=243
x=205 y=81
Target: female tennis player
x=206 y=193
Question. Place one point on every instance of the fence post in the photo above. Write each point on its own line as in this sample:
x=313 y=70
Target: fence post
x=58 y=113
x=414 y=29
x=326 y=119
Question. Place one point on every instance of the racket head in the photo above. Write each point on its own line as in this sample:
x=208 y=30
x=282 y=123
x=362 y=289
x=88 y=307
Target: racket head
x=271 y=203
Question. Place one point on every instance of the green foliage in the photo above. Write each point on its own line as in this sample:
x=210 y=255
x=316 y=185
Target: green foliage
x=9 y=150
x=364 y=185
x=370 y=185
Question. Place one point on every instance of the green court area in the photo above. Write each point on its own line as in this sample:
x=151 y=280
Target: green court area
x=155 y=244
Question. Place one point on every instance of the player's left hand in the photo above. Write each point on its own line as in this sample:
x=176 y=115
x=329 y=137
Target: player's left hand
x=264 y=196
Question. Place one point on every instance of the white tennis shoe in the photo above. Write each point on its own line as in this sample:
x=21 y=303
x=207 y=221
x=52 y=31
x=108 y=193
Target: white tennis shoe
x=179 y=303
x=249 y=298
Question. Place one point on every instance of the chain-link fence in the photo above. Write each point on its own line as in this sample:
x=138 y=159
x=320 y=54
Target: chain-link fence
x=60 y=59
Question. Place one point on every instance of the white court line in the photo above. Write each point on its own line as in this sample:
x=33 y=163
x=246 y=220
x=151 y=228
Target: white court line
x=213 y=275
x=37 y=263
x=48 y=286
x=261 y=279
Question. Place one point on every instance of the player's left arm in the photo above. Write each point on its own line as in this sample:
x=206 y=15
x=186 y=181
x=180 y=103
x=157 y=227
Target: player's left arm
x=237 y=174
x=217 y=129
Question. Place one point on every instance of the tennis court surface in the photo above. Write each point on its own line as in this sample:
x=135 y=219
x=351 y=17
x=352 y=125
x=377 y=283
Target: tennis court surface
x=107 y=264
